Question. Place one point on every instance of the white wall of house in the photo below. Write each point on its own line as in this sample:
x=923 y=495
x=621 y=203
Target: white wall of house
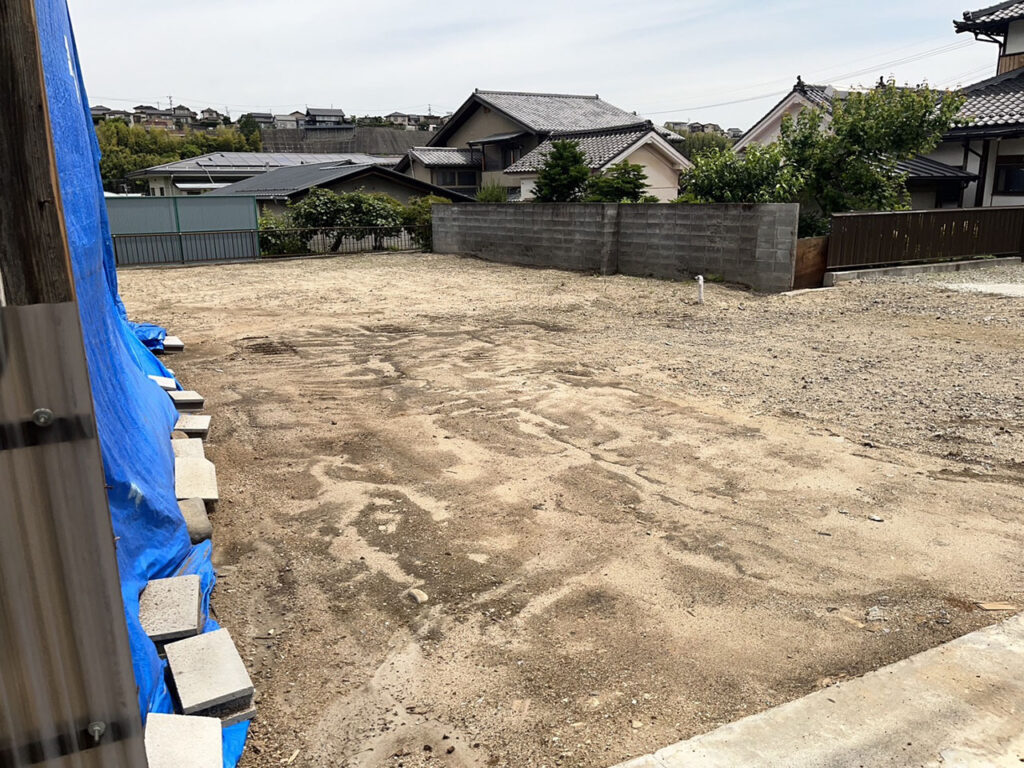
x=662 y=177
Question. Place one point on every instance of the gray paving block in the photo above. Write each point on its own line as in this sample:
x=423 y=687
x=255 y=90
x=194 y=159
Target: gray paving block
x=182 y=741
x=196 y=519
x=232 y=712
x=173 y=344
x=169 y=608
x=187 y=400
x=165 y=382
x=192 y=446
x=208 y=671
x=193 y=424
x=195 y=478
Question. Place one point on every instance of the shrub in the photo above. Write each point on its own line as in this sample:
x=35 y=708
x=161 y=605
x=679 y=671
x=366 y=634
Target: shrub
x=564 y=175
x=624 y=182
x=278 y=236
x=417 y=219
x=492 y=193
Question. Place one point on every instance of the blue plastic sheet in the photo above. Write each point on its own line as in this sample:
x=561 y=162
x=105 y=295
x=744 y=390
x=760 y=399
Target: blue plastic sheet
x=134 y=416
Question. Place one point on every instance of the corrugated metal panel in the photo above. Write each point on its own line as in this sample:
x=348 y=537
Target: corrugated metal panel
x=65 y=663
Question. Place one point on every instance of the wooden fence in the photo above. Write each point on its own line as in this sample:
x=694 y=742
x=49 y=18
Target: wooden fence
x=879 y=239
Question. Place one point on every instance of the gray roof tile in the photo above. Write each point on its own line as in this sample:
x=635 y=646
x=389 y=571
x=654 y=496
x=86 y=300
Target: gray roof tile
x=598 y=146
x=991 y=19
x=547 y=112
x=998 y=101
x=259 y=161
x=446 y=157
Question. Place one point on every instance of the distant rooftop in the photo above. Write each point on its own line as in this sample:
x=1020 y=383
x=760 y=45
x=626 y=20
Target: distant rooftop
x=546 y=112
x=258 y=162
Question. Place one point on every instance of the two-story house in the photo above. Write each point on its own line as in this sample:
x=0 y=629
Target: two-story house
x=501 y=137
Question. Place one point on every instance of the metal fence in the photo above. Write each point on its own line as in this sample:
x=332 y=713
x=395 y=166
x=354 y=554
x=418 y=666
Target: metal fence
x=878 y=239
x=250 y=244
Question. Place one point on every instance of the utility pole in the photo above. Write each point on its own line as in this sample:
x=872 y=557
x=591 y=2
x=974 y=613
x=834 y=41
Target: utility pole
x=67 y=690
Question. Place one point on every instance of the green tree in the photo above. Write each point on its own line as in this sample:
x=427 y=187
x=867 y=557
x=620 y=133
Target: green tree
x=693 y=144
x=844 y=160
x=623 y=182
x=564 y=175
x=492 y=193
x=417 y=218
x=760 y=175
x=247 y=126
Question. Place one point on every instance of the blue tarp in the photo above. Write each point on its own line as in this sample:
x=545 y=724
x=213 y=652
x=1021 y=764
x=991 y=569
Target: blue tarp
x=133 y=415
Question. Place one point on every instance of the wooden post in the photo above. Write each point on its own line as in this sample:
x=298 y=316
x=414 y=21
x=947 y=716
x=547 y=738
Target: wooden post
x=67 y=690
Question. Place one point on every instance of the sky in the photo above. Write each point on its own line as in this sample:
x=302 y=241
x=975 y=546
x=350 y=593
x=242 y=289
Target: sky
x=693 y=60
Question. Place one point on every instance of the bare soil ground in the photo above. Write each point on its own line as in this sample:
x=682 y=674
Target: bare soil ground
x=635 y=518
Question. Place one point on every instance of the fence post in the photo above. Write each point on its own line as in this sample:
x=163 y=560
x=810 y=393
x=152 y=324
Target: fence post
x=610 y=240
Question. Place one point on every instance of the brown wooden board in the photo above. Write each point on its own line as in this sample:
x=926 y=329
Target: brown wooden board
x=811 y=255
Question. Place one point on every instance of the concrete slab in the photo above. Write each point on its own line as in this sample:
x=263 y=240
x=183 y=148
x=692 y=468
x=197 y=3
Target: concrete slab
x=232 y=712
x=191 y=446
x=165 y=382
x=182 y=741
x=169 y=608
x=196 y=519
x=187 y=400
x=834 y=278
x=956 y=705
x=207 y=671
x=195 y=478
x=173 y=344
x=193 y=425
x=1009 y=290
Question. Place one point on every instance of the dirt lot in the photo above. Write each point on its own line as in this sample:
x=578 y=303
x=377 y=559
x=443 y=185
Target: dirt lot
x=636 y=518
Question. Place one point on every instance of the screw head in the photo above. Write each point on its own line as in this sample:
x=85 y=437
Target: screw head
x=96 y=730
x=42 y=417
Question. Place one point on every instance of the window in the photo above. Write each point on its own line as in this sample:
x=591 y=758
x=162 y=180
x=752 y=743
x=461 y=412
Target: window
x=1009 y=175
x=948 y=196
x=458 y=181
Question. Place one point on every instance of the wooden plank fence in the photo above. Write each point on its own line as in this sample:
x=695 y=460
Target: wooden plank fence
x=905 y=237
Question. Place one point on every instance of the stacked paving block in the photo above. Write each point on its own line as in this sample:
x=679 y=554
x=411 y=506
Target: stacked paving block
x=210 y=677
x=181 y=741
x=165 y=383
x=170 y=609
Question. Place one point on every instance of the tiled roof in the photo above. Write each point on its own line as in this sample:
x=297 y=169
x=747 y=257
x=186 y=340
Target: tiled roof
x=994 y=18
x=992 y=103
x=599 y=147
x=285 y=182
x=547 y=112
x=446 y=157
x=924 y=168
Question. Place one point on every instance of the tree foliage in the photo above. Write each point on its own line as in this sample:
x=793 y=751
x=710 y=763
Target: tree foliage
x=125 y=148
x=844 y=160
x=564 y=175
x=693 y=144
x=418 y=216
x=623 y=182
x=492 y=193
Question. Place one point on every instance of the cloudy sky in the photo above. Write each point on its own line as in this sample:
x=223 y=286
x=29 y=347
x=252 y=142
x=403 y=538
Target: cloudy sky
x=667 y=59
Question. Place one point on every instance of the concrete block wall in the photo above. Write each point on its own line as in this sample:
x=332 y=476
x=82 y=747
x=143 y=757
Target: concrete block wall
x=754 y=245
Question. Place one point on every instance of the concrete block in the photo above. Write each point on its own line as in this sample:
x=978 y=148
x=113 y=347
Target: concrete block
x=195 y=478
x=169 y=608
x=173 y=344
x=207 y=671
x=196 y=519
x=193 y=425
x=190 y=446
x=232 y=712
x=165 y=382
x=182 y=741
x=187 y=400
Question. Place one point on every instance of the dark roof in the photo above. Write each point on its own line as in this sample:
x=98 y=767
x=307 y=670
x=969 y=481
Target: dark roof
x=542 y=113
x=496 y=137
x=993 y=20
x=446 y=157
x=996 y=103
x=925 y=169
x=285 y=182
x=237 y=163
x=325 y=112
x=598 y=146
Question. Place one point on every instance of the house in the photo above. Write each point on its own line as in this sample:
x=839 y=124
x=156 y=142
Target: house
x=734 y=133
x=933 y=181
x=493 y=130
x=183 y=116
x=262 y=119
x=397 y=118
x=152 y=117
x=211 y=117
x=318 y=117
x=196 y=175
x=274 y=189
x=641 y=145
x=988 y=139
x=291 y=120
